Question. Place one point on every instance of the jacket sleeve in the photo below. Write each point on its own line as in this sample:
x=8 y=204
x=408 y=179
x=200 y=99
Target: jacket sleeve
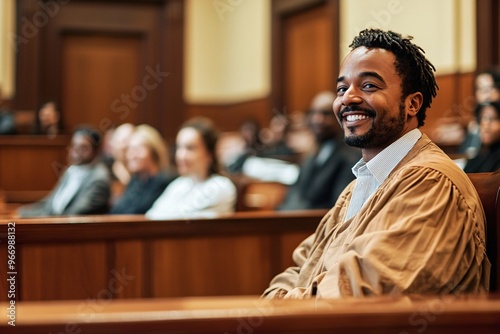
x=94 y=197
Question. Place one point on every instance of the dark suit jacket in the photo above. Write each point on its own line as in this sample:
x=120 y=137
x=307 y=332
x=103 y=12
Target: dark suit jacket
x=139 y=195
x=487 y=160
x=318 y=187
x=92 y=197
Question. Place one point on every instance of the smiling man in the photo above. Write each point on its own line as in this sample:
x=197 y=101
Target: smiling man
x=411 y=222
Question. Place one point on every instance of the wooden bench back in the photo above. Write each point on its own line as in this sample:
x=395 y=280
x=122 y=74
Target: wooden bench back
x=488 y=188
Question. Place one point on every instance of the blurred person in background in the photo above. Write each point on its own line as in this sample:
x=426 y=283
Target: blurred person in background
x=250 y=134
x=84 y=187
x=47 y=120
x=486 y=89
x=327 y=172
x=199 y=191
x=118 y=145
x=488 y=158
x=147 y=161
x=7 y=120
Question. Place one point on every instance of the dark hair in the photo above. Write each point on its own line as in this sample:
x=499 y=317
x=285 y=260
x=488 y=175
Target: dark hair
x=209 y=134
x=37 y=126
x=480 y=107
x=495 y=75
x=416 y=72
x=91 y=133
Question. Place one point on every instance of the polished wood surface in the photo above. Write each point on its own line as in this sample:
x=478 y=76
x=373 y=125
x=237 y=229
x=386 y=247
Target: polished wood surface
x=30 y=165
x=447 y=314
x=488 y=188
x=132 y=257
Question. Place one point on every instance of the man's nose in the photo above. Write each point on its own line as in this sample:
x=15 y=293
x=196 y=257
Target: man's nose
x=351 y=96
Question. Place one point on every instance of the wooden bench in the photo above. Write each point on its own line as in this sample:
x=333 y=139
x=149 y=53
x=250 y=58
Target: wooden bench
x=132 y=257
x=488 y=188
x=252 y=315
x=30 y=166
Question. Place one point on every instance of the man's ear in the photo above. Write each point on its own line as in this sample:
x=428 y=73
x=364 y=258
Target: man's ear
x=413 y=103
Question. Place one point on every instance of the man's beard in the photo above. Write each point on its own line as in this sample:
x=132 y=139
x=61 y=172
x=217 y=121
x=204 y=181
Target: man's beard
x=379 y=134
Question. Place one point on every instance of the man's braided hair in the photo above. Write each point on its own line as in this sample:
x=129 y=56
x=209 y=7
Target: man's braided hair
x=417 y=73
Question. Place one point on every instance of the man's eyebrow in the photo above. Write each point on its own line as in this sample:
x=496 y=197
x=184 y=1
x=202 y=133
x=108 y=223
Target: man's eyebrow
x=364 y=75
x=371 y=74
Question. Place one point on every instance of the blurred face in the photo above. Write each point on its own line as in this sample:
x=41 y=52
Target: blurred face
x=368 y=105
x=119 y=142
x=81 y=151
x=485 y=89
x=191 y=156
x=48 y=115
x=489 y=126
x=322 y=123
x=139 y=157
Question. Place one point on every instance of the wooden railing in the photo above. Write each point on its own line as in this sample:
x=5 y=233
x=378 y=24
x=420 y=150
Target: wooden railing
x=252 y=315
x=30 y=166
x=132 y=257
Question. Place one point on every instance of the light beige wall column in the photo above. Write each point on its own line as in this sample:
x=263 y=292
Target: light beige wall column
x=445 y=29
x=7 y=53
x=227 y=50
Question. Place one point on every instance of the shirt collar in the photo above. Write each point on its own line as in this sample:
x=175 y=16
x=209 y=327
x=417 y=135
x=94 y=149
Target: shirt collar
x=383 y=163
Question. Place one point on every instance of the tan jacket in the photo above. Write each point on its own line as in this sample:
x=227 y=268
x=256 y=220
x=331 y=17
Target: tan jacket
x=422 y=232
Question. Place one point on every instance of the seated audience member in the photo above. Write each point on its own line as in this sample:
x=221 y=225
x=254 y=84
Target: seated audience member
x=249 y=131
x=147 y=161
x=84 y=187
x=327 y=172
x=119 y=143
x=7 y=120
x=488 y=159
x=47 y=120
x=486 y=89
x=276 y=140
x=199 y=191
x=411 y=222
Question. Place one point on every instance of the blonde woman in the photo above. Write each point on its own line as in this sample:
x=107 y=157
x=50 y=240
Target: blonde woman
x=199 y=191
x=147 y=160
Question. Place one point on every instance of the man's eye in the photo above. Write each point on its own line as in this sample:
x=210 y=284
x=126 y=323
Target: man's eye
x=341 y=90
x=369 y=86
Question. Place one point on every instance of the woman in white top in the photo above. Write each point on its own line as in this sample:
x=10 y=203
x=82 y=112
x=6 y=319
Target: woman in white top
x=199 y=191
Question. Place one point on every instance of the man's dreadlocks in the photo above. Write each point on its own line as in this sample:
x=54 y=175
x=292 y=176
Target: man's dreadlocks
x=417 y=73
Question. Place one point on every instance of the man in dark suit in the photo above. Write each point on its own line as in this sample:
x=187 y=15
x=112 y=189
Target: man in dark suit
x=84 y=188
x=327 y=172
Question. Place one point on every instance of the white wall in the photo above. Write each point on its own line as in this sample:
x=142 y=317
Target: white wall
x=7 y=53
x=227 y=50
x=445 y=29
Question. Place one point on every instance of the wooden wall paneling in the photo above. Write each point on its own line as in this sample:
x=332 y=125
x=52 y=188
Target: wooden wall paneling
x=296 y=78
x=96 y=71
x=130 y=265
x=487 y=33
x=307 y=63
x=118 y=45
x=64 y=271
x=4 y=285
x=28 y=47
x=286 y=244
x=237 y=265
x=171 y=112
x=31 y=163
x=140 y=28
x=452 y=103
x=230 y=117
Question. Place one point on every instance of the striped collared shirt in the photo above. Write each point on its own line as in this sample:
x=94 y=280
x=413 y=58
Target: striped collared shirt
x=370 y=175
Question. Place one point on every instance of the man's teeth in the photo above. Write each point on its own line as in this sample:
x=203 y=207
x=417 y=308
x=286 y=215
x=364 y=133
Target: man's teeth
x=352 y=118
